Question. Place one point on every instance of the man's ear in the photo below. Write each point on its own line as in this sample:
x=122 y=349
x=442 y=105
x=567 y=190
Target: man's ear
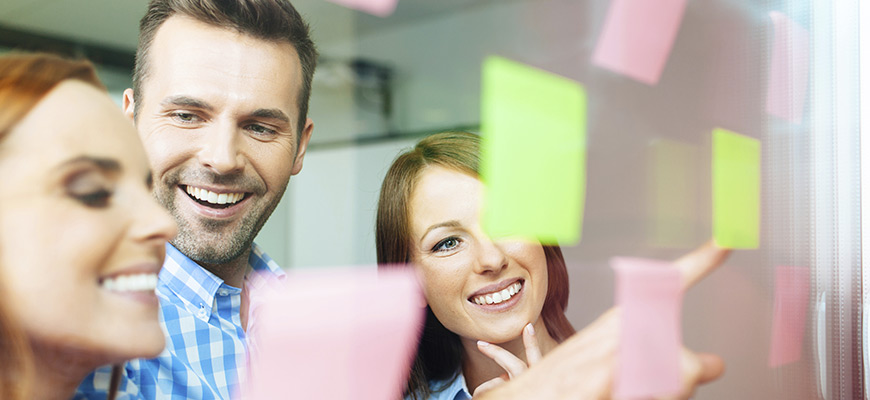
x=129 y=104
x=304 y=137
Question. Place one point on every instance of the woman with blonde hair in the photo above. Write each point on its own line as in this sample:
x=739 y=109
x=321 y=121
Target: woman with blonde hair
x=81 y=237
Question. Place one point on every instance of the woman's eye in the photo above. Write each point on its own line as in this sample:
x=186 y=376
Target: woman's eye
x=96 y=199
x=446 y=245
x=90 y=189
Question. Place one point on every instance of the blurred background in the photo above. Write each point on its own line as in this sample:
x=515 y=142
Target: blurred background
x=385 y=82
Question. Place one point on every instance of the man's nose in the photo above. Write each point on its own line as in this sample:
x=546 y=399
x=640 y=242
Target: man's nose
x=220 y=149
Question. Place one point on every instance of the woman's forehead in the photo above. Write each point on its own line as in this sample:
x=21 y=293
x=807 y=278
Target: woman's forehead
x=443 y=194
x=74 y=119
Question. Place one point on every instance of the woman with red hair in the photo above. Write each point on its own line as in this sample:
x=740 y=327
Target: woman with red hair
x=81 y=237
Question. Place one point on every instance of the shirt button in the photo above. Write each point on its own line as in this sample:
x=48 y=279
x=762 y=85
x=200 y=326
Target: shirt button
x=223 y=292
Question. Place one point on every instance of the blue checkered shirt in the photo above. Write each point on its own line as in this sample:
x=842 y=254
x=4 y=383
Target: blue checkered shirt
x=206 y=347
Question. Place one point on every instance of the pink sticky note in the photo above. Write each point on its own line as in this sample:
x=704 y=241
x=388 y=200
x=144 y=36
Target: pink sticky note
x=648 y=360
x=638 y=36
x=789 y=69
x=789 y=314
x=334 y=334
x=381 y=8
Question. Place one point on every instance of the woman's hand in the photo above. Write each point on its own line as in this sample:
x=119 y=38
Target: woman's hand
x=512 y=365
x=582 y=367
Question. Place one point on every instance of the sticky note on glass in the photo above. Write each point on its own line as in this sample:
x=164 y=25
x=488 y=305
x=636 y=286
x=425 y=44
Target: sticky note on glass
x=335 y=334
x=736 y=190
x=533 y=153
x=673 y=193
x=789 y=69
x=650 y=294
x=381 y=8
x=638 y=36
x=790 y=304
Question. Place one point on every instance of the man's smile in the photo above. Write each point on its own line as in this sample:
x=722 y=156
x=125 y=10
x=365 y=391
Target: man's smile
x=213 y=199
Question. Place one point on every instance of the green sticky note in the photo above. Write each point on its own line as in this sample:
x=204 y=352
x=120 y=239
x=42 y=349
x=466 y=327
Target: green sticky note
x=736 y=190
x=533 y=153
x=673 y=189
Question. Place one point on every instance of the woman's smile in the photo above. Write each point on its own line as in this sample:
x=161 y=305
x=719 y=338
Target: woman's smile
x=502 y=298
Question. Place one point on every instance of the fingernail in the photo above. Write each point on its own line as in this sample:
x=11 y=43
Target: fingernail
x=481 y=343
x=531 y=329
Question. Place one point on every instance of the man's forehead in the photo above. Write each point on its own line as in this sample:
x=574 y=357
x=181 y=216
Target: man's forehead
x=206 y=63
x=181 y=33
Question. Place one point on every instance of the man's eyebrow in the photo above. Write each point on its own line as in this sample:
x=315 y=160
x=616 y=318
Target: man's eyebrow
x=271 y=113
x=185 y=101
x=450 y=224
x=105 y=164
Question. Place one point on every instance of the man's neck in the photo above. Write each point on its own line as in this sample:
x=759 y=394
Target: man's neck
x=232 y=272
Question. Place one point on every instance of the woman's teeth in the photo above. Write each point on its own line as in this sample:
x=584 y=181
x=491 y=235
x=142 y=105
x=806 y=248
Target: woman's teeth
x=498 y=297
x=214 y=198
x=131 y=283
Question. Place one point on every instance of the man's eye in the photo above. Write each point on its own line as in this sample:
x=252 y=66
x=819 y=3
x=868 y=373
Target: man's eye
x=185 y=117
x=260 y=129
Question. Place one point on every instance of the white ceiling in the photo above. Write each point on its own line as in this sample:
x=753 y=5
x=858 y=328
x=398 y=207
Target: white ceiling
x=113 y=23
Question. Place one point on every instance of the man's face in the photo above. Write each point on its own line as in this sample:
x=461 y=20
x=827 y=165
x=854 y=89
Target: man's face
x=219 y=119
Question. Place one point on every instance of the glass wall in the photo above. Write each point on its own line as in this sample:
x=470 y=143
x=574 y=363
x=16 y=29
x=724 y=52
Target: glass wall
x=785 y=315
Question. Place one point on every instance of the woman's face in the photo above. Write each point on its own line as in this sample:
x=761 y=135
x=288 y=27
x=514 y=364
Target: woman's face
x=477 y=288
x=81 y=237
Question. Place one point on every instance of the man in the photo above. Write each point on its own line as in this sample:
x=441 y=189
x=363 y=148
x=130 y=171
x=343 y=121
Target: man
x=220 y=97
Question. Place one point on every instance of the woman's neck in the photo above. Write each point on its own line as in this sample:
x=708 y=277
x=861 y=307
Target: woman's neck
x=478 y=368
x=59 y=370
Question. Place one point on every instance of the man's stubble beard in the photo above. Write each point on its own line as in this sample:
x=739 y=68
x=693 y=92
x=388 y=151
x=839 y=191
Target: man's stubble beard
x=215 y=243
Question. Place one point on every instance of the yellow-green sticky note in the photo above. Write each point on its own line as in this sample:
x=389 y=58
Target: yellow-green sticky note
x=533 y=153
x=736 y=190
x=673 y=189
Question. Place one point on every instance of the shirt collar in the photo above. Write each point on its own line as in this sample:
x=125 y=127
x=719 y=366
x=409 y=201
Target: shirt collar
x=456 y=390
x=196 y=286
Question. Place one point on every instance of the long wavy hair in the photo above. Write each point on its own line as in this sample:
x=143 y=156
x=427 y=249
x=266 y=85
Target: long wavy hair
x=439 y=355
x=24 y=80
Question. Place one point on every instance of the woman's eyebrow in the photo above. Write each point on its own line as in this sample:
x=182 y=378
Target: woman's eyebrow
x=105 y=164
x=450 y=224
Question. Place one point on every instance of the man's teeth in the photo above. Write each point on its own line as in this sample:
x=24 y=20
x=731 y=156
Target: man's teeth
x=131 y=283
x=214 y=198
x=498 y=297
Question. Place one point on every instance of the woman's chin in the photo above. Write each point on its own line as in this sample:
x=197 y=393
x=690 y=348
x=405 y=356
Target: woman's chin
x=502 y=336
x=141 y=345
